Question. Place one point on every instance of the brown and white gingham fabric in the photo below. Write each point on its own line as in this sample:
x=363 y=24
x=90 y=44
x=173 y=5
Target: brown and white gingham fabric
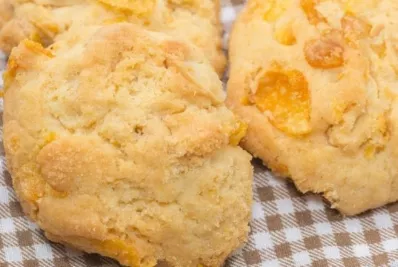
x=287 y=229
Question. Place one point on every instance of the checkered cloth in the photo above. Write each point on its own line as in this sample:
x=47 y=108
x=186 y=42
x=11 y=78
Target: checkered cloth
x=287 y=229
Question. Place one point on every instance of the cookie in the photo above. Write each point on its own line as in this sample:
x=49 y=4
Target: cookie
x=317 y=83
x=121 y=145
x=43 y=21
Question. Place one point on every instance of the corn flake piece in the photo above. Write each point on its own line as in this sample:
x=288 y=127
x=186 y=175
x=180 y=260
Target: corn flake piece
x=284 y=96
x=245 y=101
x=324 y=53
x=49 y=191
x=379 y=49
x=276 y=9
x=51 y=136
x=369 y=151
x=355 y=28
x=238 y=134
x=37 y=48
x=115 y=20
x=138 y=7
x=14 y=63
x=127 y=253
x=280 y=169
x=309 y=8
x=285 y=35
x=359 y=5
x=123 y=251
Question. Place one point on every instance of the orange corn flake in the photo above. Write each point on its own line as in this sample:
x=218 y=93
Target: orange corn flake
x=355 y=28
x=359 y=5
x=284 y=96
x=124 y=252
x=238 y=134
x=50 y=137
x=37 y=48
x=14 y=63
x=115 y=20
x=285 y=35
x=9 y=74
x=379 y=49
x=280 y=169
x=276 y=9
x=54 y=193
x=309 y=8
x=324 y=53
x=138 y=7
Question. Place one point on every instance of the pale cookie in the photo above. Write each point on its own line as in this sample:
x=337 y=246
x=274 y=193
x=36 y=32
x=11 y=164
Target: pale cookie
x=44 y=20
x=121 y=145
x=317 y=82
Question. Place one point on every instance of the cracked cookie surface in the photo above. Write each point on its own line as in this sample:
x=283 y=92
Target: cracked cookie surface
x=43 y=21
x=119 y=143
x=317 y=83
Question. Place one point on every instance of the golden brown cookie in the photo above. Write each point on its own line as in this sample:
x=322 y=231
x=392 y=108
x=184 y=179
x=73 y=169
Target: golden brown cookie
x=44 y=20
x=122 y=145
x=317 y=82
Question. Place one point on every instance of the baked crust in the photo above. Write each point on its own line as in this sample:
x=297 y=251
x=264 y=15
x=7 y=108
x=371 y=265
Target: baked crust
x=119 y=143
x=44 y=20
x=316 y=81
